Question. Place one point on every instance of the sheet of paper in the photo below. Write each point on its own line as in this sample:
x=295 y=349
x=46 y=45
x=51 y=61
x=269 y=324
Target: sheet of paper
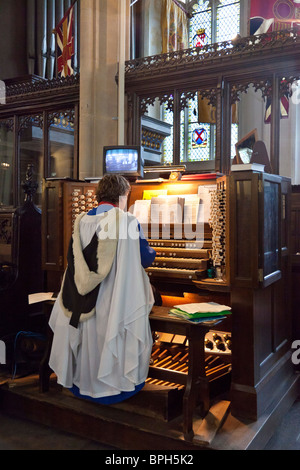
x=141 y=210
x=204 y=193
x=39 y=297
x=167 y=209
x=150 y=193
x=203 y=307
x=191 y=208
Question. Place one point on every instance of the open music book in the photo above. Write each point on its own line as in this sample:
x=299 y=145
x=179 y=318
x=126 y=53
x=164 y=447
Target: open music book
x=167 y=210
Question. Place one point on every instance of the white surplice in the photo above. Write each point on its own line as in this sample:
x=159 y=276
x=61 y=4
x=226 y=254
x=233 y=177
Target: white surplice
x=109 y=353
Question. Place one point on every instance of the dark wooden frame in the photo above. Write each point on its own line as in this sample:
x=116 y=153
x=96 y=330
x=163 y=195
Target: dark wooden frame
x=219 y=72
x=31 y=95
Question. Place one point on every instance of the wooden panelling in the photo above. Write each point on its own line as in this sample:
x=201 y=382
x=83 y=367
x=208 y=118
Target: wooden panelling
x=295 y=259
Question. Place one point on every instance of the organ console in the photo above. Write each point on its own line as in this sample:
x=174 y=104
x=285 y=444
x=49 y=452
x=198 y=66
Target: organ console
x=183 y=249
x=237 y=255
x=171 y=352
x=62 y=201
x=185 y=263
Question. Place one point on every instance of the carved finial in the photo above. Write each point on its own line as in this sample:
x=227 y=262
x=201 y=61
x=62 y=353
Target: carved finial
x=29 y=186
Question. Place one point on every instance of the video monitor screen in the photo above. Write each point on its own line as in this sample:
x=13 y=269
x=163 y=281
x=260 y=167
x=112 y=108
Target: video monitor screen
x=122 y=160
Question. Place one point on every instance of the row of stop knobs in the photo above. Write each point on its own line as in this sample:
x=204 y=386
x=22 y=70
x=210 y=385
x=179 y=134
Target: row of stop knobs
x=82 y=202
x=220 y=342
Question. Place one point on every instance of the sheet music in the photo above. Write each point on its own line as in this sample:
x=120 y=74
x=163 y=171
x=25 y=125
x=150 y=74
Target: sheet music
x=191 y=209
x=141 y=210
x=204 y=193
x=167 y=209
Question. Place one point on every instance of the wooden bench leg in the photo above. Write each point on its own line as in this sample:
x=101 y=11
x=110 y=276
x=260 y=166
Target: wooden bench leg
x=197 y=386
x=44 y=369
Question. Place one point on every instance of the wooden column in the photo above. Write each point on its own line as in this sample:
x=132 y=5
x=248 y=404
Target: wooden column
x=223 y=127
x=176 y=127
x=275 y=125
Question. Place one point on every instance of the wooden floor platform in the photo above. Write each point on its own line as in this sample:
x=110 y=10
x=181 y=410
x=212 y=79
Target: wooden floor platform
x=128 y=427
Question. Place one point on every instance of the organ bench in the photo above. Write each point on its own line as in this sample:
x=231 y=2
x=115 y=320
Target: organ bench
x=193 y=378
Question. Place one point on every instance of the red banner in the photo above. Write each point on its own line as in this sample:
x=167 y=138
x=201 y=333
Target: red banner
x=65 y=44
x=273 y=15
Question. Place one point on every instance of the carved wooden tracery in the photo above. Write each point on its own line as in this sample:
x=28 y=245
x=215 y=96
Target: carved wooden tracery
x=218 y=53
x=8 y=124
x=40 y=87
x=28 y=121
x=68 y=115
x=219 y=72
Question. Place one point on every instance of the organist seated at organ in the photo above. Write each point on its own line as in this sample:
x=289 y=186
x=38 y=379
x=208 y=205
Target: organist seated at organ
x=102 y=337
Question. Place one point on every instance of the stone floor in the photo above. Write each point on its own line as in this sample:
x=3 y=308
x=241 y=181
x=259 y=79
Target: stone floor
x=17 y=434
x=287 y=436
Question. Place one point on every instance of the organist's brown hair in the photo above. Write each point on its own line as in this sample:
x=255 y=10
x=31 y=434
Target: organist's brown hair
x=111 y=188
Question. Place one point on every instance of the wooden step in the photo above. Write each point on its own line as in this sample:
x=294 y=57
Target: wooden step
x=109 y=425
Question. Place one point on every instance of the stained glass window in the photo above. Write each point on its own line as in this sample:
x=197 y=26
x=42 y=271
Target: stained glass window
x=201 y=24
x=228 y=20
x=199 y=136
x=167 y=156
x=212 y=21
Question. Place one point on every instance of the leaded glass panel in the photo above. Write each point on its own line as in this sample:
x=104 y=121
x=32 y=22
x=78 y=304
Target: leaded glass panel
x=167 y=156
x=228 y=20
x=212 y=21
x=201 y=25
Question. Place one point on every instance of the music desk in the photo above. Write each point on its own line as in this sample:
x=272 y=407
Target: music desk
x=195 y=381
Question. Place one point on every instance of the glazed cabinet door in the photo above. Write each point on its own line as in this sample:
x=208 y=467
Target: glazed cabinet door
x=244 y=229
x=52 y=226
x=270 y=223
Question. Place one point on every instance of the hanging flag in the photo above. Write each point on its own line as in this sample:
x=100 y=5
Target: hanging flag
x=65 y=44
x=284 y=109
x=174 y=27
x=273 y=15
x=261 y=16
